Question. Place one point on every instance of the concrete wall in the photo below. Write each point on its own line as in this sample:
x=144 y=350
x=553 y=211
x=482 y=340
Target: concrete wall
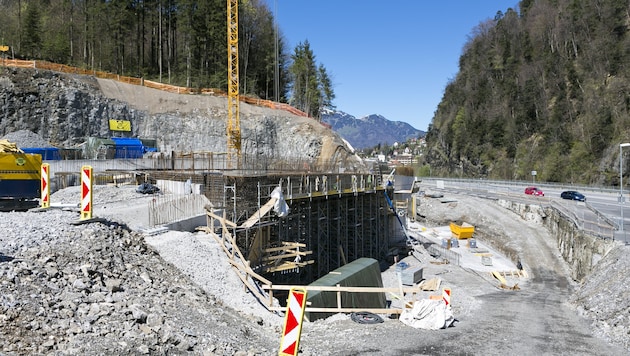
x=189 y=224
x=166 y=209
x=581 y=251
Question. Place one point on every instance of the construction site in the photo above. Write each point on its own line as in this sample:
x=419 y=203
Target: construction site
x=330 y=234
x=244 y=201
x=331 y=209
x=345 y=231
x=278 y=230
x=284 y=219
x=359 y=238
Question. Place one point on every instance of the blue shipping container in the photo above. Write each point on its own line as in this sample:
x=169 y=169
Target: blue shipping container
x=128 y=147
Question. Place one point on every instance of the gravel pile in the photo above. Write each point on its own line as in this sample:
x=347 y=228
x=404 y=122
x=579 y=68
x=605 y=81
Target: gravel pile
x=99 y=289
x=101 y=195
x=199 y=256
x=27 y=139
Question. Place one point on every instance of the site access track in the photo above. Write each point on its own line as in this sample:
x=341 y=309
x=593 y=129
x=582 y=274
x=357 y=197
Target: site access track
x=535 y=320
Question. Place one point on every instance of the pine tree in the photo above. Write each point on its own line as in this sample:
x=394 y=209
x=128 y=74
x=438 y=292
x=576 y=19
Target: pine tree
x=312 y=88
x=31 y=40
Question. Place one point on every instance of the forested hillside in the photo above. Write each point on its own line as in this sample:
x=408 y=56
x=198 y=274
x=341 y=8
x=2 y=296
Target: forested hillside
x=544 y=87
x=180 y=42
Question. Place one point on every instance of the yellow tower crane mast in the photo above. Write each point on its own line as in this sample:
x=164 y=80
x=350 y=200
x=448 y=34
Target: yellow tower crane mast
x=233 y=123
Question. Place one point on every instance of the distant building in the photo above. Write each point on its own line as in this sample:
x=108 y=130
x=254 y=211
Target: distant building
x=406 y=159
x=403 y=160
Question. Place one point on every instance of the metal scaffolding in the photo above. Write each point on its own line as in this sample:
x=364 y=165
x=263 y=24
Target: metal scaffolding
x=331 y=221
x=338 y=228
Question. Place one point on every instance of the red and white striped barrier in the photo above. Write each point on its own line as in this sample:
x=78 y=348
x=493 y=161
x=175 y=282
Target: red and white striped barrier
x=86 y=192
x=446 y=296
x=293 y=322
x=45 y=187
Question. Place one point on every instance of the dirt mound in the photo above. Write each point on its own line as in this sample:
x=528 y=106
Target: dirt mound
x=27 y=139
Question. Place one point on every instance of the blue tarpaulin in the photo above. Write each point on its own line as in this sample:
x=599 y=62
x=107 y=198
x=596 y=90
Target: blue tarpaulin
x=128 y=147
x=47 y=153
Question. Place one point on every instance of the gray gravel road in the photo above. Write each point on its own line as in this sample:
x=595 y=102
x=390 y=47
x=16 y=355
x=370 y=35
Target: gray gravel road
x=535 y=320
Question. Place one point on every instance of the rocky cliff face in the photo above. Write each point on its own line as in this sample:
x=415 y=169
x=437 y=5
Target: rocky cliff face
x=61 y=109
x=64 y=109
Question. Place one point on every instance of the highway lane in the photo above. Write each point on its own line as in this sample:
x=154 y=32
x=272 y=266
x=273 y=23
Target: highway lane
x=601 y=214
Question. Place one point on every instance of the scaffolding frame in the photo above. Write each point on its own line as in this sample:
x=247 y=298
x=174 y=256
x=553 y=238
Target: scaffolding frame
x=337 y=218
x=338 y=229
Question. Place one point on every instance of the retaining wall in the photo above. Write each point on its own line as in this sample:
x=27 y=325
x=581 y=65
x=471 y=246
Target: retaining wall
x=580 y=250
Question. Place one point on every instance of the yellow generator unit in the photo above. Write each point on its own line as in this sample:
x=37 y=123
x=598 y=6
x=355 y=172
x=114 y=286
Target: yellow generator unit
x=20 y=175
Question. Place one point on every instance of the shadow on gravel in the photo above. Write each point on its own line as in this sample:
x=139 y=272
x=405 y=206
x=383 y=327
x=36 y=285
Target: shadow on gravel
x=4 y=258
x=106 y=222
x=115 y=224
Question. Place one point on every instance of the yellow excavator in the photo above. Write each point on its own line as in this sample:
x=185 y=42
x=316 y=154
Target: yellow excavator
x=20 y=178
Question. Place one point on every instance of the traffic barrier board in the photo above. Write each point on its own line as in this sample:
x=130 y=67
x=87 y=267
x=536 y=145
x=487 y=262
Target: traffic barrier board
x=293 y=322
x=446 y=296
x=86 y=192
x=45 y=187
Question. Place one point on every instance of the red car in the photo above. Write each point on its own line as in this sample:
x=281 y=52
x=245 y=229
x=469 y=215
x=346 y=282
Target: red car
x=534 y=191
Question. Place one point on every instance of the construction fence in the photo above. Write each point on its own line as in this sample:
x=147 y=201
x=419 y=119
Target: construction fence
x=201 y=162
x=146 y=83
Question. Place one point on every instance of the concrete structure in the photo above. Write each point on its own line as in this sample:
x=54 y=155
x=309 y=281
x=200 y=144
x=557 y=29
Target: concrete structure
x=331 y=220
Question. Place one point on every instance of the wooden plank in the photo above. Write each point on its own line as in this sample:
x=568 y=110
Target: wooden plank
x=288 y=265
x=498 y=276
x=220 y=218
x=406 y=290
x=284 y=248
x=286 y=255
x=482 y=254
x=343 y=310
x=293 y=244
x=243 y=278
x=255 y=217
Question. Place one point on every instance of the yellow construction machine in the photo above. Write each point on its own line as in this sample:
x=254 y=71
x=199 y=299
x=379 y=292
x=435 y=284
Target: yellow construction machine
x=20 y=178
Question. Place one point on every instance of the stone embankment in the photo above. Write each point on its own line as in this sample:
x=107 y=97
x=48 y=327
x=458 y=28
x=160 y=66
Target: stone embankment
x=579 y=249
x=600 y=266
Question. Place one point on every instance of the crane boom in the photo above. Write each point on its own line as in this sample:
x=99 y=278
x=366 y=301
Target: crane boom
x=233 y=123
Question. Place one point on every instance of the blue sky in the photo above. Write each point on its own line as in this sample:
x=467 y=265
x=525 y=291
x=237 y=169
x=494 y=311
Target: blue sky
x=392 y=58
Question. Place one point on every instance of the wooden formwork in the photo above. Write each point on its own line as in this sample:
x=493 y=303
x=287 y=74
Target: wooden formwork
x=254 y=282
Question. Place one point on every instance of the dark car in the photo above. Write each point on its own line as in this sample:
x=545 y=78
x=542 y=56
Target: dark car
x=147 y=188
x=573 y=195
x=534 y=191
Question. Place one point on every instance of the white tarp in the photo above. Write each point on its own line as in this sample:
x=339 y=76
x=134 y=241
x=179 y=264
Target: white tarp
x=281 y=208
x=428 y=314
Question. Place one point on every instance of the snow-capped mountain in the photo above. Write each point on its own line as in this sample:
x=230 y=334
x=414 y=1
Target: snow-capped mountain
x=370 y=130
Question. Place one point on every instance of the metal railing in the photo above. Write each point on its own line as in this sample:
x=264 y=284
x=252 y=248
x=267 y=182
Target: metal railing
x=205 y=162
